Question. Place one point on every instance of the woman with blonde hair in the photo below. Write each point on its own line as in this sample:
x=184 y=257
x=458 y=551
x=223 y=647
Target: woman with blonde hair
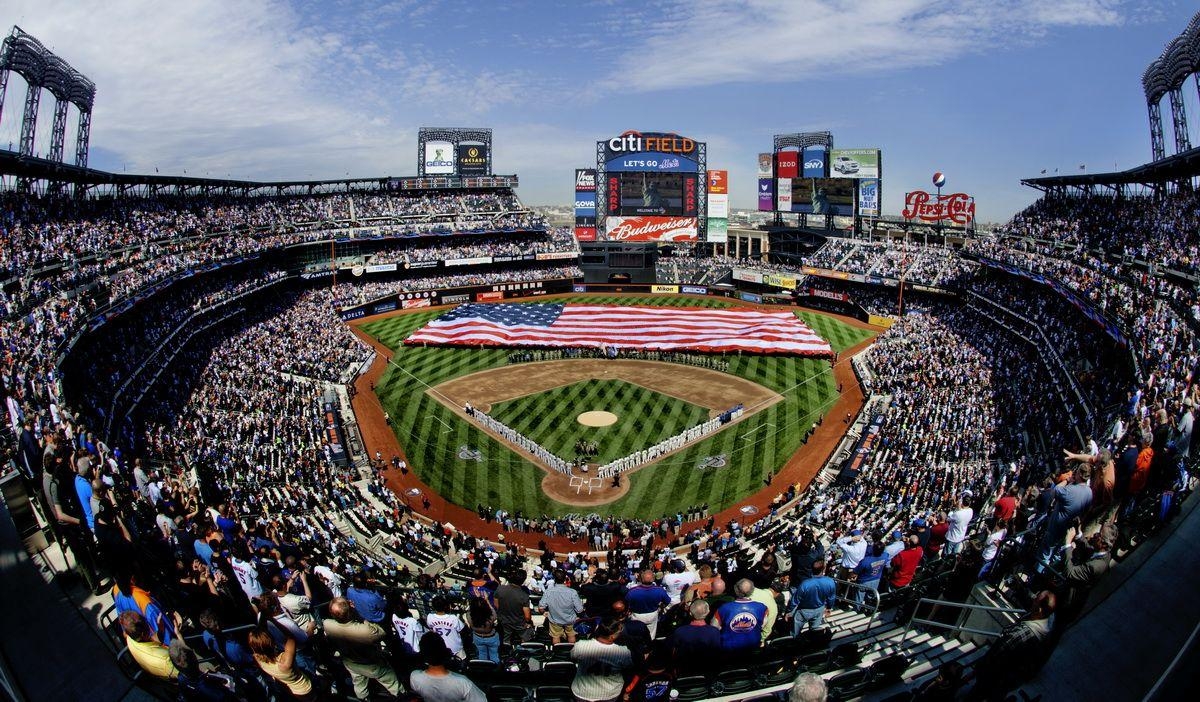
x=281 y=665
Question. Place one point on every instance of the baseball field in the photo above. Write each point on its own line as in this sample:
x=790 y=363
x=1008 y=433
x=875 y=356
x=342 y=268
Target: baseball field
x=465 y=465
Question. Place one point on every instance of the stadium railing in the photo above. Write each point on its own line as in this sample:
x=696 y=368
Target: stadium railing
x=963 y=619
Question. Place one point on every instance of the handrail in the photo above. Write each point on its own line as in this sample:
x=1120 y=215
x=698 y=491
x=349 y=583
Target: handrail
x=955 y=629
x=873 y=599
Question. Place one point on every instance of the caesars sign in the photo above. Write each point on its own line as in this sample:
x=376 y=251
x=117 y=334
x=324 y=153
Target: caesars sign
x=472 y=159
x=439 y=158
x=957 y=208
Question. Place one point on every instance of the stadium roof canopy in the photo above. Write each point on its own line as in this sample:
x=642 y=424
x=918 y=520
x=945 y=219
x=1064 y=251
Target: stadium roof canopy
x=35 y=169
x=1173 y=169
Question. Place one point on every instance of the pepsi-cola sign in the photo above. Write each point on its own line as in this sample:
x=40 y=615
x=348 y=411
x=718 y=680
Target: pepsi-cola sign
x=958 y=208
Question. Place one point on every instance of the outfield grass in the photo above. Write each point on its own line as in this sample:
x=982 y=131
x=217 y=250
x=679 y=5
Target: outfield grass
x=431 y=434
x=644 y=417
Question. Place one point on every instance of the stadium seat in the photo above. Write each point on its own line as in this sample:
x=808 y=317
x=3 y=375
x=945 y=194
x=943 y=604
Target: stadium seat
x=553 y=693
x=887 y=671
x=848 y=684
x=481 y=666
x=532 y=647
x=816 y=662
x=774 y=672
x=691 y=688
x=559 y=670
x=729 y=682
x=815 y=639
x=562 y=651
x=844 y=655
x=507 y=693
x=782 y=644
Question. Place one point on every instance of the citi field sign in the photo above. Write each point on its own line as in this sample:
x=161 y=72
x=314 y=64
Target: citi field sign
x=633 y=142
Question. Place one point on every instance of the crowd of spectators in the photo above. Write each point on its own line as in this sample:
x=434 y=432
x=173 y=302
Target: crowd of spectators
x=272 y=534
x=553 y=241
x=1162 y=229
x=351 y=294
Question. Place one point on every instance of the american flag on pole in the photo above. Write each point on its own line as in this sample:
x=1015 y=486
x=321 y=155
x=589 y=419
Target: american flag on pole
x=623 y=327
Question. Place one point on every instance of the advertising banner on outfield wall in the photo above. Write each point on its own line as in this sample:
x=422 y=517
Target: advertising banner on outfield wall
x=490 y=296
x=556 y=255
x=665 y=289
x=381 y=268
x=787 y=164
x=475 y=261
x=439 y=158
x=747 y=276
x=694 y=290
x=814 y=162
x=472 y=159
x=420 y=264
x=780 y=281
x=414 y=304
x=751 y=297
x=766 y=194
x=585 y=233
x=651 y=228
x=868 y=197
x=766 y=166
x=783 y=194
x=854 y=163
x=718 y=230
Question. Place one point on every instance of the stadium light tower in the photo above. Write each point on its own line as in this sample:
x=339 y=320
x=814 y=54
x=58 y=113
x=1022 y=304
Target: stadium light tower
x=25 y=55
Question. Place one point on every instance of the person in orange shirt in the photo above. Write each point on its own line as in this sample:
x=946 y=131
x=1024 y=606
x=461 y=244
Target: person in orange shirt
x=1141 y=473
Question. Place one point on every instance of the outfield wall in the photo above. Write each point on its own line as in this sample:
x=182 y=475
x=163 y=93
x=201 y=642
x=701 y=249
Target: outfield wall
x=454 y=296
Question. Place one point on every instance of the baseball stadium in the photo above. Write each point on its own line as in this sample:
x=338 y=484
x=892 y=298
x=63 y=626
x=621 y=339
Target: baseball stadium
x=277 y=436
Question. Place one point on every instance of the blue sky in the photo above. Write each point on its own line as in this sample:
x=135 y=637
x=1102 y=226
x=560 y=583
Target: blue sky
x=988 y=91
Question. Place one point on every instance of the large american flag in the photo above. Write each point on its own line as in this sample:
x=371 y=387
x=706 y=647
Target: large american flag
x=622 y=327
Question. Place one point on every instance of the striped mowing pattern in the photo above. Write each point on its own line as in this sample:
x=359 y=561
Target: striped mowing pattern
x=644 y=417
x=431 y=434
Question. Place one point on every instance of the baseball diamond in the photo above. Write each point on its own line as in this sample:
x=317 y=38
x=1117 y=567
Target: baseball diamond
x=424 y=389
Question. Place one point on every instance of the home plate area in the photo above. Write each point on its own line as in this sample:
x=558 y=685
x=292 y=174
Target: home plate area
x=579 y=482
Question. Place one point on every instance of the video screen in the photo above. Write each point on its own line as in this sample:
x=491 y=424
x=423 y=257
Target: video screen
x=824 y=196
x=653 y=193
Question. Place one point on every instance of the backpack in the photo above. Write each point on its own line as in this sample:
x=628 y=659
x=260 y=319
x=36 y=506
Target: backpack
x=209 y=687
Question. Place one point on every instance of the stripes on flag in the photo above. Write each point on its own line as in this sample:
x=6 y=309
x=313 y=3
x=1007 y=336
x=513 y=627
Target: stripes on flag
x=556 y=325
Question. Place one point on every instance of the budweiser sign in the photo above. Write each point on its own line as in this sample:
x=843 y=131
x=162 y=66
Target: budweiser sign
x=958 y=208
x=651 y=228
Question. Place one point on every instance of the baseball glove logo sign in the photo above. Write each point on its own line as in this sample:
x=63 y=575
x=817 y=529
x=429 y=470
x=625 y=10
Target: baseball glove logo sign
x=467 y=453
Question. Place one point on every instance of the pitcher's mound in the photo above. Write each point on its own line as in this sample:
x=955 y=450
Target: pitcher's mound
x=597 y=418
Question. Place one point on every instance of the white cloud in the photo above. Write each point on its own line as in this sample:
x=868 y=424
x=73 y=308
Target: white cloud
x=727 y=41
x=254 y=90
